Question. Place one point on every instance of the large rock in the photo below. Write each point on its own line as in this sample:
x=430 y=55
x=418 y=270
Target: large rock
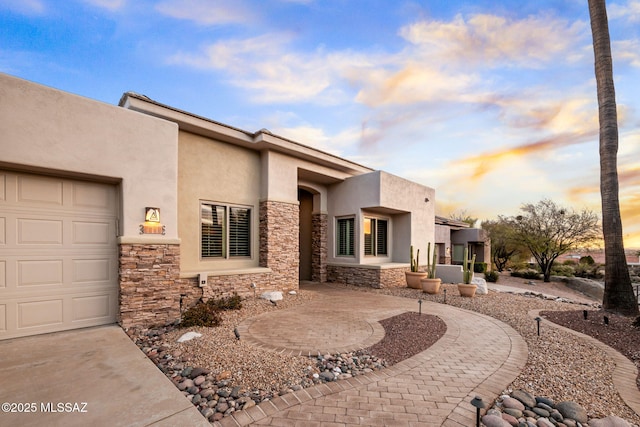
x=272 y=296
x=572 y=410
x=610 y=421
x=510 y=402
x=482 y=285
x=524 y=397
x=494 y=421
x=189 y=336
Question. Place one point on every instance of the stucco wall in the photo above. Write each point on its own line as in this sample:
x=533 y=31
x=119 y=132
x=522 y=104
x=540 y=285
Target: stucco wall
x=384 y=194
x=215 y=171
x=47 y=130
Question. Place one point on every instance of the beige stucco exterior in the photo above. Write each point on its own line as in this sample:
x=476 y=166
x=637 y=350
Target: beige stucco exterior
x=47 y=130
x=154 y=155
x=214 y=171
x=409 y=207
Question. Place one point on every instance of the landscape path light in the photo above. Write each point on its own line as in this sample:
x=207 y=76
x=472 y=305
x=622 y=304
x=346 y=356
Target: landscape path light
x=420 y=306
x=538 y=320
x=478 y=404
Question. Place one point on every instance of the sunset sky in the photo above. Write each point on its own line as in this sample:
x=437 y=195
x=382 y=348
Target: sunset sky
x=492 y=103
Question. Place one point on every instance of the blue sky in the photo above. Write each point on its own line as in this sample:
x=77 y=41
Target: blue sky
x=492 y=103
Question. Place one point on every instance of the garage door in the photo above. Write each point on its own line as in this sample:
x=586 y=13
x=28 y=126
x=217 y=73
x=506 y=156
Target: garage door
x=58 y=254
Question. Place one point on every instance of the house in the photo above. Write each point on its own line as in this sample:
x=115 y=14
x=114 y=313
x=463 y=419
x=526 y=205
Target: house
x=453 y=236
x=131 y=213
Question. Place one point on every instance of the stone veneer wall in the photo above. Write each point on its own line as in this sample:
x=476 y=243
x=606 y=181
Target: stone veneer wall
x=280 y=244
x=371 y=277
x=150 y=285
x=319 y=227
x=152 y=293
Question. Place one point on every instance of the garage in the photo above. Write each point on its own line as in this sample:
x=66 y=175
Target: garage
x=58 y=254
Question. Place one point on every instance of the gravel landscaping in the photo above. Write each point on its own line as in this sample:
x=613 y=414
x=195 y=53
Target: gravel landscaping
x=561 y=366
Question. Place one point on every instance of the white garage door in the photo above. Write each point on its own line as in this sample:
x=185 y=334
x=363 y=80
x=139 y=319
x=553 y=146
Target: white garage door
x=58 y=254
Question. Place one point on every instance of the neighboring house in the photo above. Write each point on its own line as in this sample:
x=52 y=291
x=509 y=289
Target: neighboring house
x=130 y=213
x=453 y=236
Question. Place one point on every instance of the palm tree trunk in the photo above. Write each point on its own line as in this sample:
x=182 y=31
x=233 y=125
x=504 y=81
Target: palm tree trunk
x=618 y=292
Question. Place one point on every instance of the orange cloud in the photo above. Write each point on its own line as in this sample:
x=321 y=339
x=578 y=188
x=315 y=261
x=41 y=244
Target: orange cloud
x=486 y=162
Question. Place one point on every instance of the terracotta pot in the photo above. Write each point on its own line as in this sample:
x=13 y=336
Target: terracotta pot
x=413 y=278
x=467 y=290
x=430 y=286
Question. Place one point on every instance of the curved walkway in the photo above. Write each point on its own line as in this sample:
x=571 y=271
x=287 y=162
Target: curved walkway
x=478 y=356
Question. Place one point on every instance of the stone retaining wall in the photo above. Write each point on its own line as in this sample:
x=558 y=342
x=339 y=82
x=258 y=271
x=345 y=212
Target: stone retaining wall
x=364 y=276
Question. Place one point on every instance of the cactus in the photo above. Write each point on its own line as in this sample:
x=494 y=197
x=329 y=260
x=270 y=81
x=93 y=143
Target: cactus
x=431 y=262
x=467 y=266
x=415 y=263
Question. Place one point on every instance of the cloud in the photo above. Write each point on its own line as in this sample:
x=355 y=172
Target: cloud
x=627 y=51
x=26 y=7
x=486 y=162
x=265 y=66
x=205 y=12
x=494 y=40
x=317 y=138
x=629 y=12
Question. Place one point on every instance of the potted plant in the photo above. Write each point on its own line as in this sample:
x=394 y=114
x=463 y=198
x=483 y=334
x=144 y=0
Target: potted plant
x=414 y=276
x=467 y=289
x=431 y=284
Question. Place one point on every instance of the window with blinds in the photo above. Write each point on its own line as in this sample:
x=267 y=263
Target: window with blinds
x=239 y=232
x=225 y=231
x=345 y=237
x=375 y=236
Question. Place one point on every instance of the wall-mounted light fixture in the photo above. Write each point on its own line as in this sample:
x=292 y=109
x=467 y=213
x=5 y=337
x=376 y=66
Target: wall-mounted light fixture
x=152 y=223
x=152 y=214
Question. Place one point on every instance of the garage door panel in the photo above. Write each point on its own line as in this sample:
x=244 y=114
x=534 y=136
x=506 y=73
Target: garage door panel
x=3 y=317
x=40 y=272
x=97 y=197
x=93 y=271
x=43 y=313
x=3 y=230
x=92 y=307
x=3 y=274
x=39 y=232
x=92 y=233
x=39 y=190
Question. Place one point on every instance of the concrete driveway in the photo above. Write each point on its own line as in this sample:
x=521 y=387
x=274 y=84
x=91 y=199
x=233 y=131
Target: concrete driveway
x=87 y=377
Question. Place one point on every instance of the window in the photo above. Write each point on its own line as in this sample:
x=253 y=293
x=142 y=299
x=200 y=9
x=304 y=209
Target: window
x=458 y=254
x=345 y=244
x=225 y=231
x=375 y=236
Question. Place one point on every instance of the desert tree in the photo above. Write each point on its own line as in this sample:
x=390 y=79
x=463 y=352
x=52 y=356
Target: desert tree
x=503 y=245
x=618 y=291
x=548 y=231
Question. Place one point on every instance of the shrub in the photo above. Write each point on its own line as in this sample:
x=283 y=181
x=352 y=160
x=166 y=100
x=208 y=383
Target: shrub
x=589 y=271
x=201 y=314
x=491 y=276
x=229 y=303
x=562 y=270
x=569 y=262
x=526 y=274
x=587 y=260
x=208 y=313
x=479 y=267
